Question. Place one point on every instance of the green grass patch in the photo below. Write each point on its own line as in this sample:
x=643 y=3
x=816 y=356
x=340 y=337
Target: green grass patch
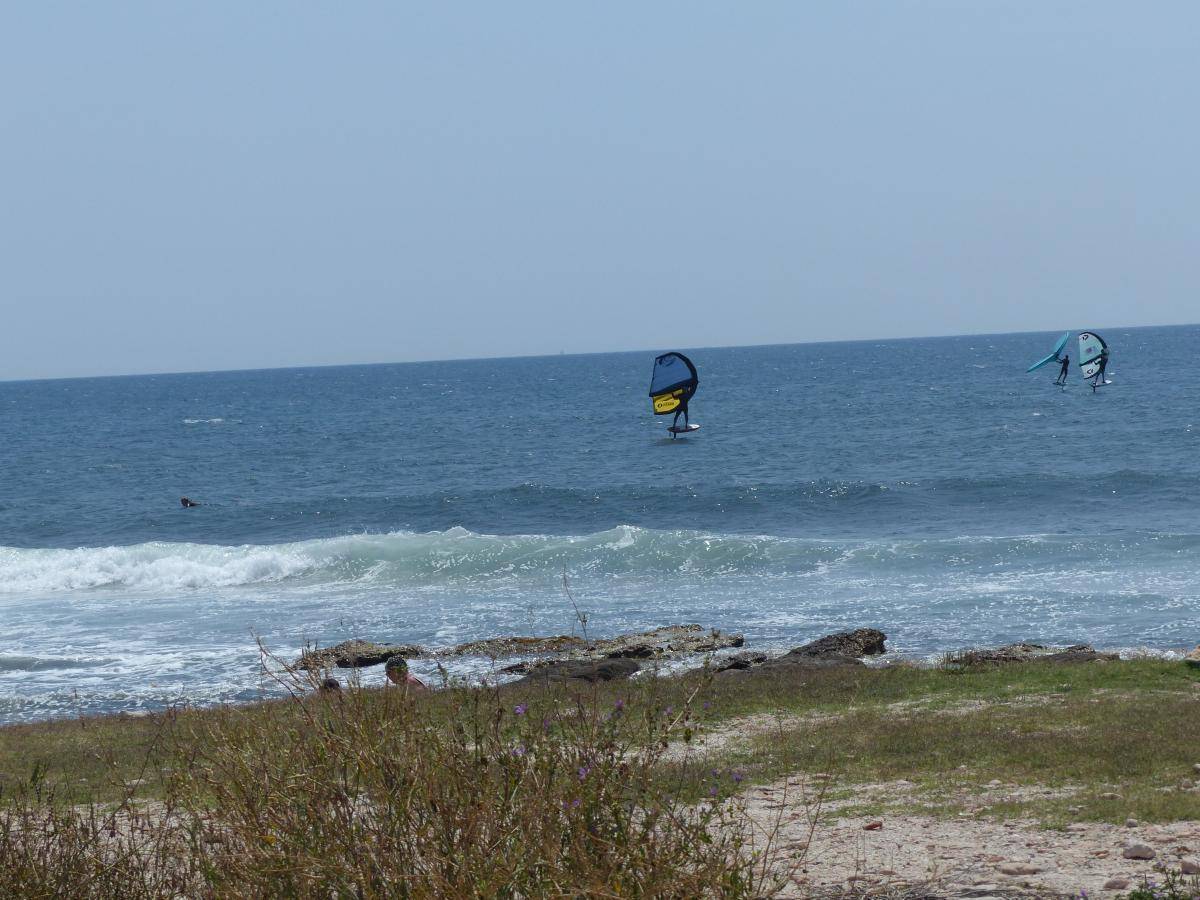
x=530 y=790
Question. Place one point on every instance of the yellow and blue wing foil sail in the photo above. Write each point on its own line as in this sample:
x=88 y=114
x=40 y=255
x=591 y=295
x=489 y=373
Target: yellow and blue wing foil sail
x=672 y=382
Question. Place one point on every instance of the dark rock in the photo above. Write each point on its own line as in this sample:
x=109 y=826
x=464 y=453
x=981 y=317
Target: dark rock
x=861 y=642
x=354 y=654
x=591 y=670
x=1025 y=652
x=798 y=661
x=740 y=661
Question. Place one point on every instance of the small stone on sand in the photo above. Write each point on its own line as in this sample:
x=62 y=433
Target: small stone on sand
x=1138 y=851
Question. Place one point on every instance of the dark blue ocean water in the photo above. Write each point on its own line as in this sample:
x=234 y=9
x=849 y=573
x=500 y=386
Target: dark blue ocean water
x=929 y=487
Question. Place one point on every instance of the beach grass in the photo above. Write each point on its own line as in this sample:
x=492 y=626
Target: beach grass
x=630 y=788
x=370 y=793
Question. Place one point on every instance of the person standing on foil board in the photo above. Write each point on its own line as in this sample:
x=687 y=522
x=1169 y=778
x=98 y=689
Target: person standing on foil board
x=1093 y=358
x=673 y=382
x=1062 y=374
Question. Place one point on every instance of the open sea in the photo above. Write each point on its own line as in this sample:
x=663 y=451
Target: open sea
x=927 y=487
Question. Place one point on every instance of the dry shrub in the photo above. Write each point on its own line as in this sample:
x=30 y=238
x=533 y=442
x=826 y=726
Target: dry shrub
x=368 y=793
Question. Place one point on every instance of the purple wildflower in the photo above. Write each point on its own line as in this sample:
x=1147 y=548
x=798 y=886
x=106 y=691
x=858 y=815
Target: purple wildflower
x=619 y=705
x=520 y=709
x=738 y=777
x=583 y=772
x=712 y=791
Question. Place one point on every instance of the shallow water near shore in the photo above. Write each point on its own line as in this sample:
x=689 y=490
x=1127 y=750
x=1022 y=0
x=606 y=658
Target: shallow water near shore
x=926 y=487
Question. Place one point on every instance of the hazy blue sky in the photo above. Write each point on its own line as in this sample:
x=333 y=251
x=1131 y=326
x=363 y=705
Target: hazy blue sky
x=228 y=185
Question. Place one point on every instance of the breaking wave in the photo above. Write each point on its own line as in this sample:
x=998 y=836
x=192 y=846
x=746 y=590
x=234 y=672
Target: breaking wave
x=458 y=555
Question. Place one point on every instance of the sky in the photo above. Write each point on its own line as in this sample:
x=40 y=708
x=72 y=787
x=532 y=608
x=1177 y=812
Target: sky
x=197 y=186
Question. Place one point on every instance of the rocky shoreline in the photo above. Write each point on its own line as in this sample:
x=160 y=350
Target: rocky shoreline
x=571 y=657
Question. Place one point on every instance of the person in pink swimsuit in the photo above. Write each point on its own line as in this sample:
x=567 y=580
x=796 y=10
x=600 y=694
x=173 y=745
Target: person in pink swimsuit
x=396 y=669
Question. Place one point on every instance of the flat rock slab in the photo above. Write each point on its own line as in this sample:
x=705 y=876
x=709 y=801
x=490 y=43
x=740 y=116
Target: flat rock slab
x=354 y=654
x=665 y=642
x=590 y=670
x=1025 y=652
x=519 y=646
x=661 y=642
x=789 y=662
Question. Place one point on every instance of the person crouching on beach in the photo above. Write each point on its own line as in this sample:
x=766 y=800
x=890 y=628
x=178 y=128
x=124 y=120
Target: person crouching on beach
x=396 y=669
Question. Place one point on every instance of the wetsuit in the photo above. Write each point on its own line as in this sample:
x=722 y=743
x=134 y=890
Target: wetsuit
x=1062 y=375
x=1103 y=365
x=682 y=411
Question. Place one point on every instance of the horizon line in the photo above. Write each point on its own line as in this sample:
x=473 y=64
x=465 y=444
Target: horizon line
x=448 y=359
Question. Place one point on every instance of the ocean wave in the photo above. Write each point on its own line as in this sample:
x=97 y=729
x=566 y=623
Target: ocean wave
x=151 y=566
x=44 y=663
x=461 y=556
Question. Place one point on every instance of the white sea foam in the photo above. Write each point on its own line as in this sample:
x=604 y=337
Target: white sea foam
x=458 y=556
x=401 y=558
x=153 y=566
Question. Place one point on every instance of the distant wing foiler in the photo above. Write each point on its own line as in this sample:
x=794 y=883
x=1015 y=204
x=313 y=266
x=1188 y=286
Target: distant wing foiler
x=1091 y=346
x=672 y=382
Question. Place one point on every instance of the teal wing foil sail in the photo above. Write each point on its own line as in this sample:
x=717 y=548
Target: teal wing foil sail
x=1091 y=349
x=1062 y=343
x=672 y=382
x=1058 y=349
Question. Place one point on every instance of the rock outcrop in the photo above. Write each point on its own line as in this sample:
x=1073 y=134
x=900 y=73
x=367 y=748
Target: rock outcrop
x=852 y=644
x=354 y=654
x=740 y=661
x=831 y=651
x=664 y=642
x=661 y=642
x=1193 y=658
x=802 y=661
x=845 y=648
x=518 y=646
x=1025 y=652
x=590 y=670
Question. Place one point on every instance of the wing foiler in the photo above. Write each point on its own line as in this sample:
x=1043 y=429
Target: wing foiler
x=1091 y=350
x=672 y=382
x=1058 y=349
